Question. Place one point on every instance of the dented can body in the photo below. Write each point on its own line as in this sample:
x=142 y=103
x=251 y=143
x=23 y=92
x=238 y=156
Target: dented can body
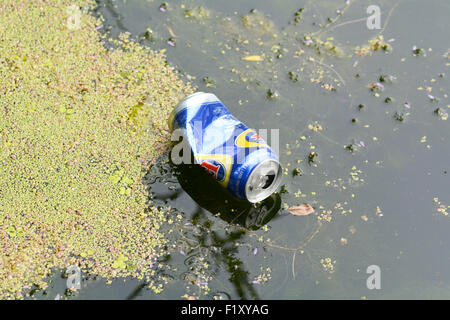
x=236 y=156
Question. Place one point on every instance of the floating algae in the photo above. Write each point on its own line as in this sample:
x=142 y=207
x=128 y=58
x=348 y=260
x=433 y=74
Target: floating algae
x=79 y=124
x=256 y=21
x=197 y=13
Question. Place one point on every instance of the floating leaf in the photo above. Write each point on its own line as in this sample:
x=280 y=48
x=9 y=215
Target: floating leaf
x=301 y=210
x=171 y=32
x=253 y=58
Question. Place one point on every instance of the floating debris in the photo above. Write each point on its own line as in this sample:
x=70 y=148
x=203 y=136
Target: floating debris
x=441 y=113
x=350 y=147
x=209 y=82
x=253 y=58
x=298 y=15
x=297 y=172
x=171 y=32
x=257 y=22
x=377 y=86
x=328 y=264
x=272 y=94
x=432 y=98
x=163 y=7
x=312 y=157
x=387 y=78
x=197 y=13
x=301 y=210
x=417 y=51
x=373 y=45
x=293 y=76
x=171 y=42
x=315 y=127
x=399 y=116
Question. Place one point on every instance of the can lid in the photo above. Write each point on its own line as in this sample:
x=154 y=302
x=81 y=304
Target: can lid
x=263 y=181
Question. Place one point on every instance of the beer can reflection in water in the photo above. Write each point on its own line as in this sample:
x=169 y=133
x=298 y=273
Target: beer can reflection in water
x=236 y=156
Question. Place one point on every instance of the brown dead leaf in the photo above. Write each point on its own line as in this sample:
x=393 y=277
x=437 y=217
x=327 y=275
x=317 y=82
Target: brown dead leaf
x=301 y=210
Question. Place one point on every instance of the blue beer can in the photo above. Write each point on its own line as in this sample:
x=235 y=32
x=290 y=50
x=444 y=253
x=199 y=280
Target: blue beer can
x=236 y=156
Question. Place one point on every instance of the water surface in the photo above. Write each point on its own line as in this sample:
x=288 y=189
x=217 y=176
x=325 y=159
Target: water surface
x=381 y=170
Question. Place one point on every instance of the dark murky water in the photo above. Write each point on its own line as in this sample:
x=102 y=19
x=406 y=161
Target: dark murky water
x=377 y=181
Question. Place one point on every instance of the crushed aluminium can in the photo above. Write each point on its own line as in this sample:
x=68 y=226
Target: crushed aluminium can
x=236 y=156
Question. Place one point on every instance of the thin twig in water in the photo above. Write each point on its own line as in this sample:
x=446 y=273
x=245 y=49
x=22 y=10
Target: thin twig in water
x=329 y=139
x=389 y=17
x=325 y=28
x=332 y=69
x=293 y=264
x=301 y=246
x=364 y=19
x=347 y=22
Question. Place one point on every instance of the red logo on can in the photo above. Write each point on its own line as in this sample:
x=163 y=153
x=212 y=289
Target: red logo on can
x=214 y=168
